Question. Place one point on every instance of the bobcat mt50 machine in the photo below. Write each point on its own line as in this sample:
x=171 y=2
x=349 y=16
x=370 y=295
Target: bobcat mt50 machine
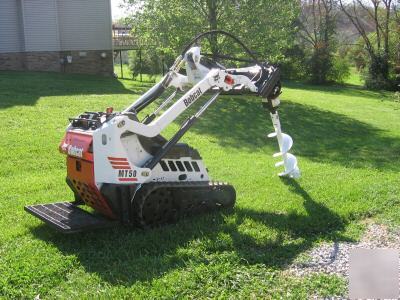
x=127 y=172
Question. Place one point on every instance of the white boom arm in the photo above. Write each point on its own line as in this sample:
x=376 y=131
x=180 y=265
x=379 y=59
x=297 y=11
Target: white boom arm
x=204 y=80
x=215 y=78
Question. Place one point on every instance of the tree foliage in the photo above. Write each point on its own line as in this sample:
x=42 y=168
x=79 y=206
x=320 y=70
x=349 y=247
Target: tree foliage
x=167 y=25
x=377 y=45
x=317 y=23
x=300 y=35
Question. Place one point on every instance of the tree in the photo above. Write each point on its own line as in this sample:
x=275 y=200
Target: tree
x=396 y=9
x=377 y=45
x=167 y=25
x=317 y=29
x=211 y=11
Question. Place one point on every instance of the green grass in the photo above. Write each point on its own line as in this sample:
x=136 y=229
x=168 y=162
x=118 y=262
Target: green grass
x=355 y=78
x=127 y=74
x=347 y=141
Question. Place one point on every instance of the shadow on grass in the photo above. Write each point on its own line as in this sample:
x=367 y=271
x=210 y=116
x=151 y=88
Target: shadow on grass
x=238 y=122
x=319 y=135
x=122 y=256
x=25 y=88
x=348 y=90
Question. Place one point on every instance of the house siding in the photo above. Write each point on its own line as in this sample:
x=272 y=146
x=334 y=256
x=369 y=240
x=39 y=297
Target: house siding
x=55 y=25
x=10 y=27
x=83 y=25
x=39 y=35
x=40 y=25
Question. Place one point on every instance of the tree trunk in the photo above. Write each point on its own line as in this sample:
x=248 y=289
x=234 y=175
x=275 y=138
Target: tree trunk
x=397 y=67
x=378 y=69
x=376 y=21
x=213 y=25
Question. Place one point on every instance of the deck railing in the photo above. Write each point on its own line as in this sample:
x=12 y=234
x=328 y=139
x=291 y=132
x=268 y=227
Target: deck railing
x=124 y=42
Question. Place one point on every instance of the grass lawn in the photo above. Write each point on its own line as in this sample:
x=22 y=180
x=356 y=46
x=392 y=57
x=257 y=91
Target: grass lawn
x=355 y=78
x=126 y=74
x=347 y=141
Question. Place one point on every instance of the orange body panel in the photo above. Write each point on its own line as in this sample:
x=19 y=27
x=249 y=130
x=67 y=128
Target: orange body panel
x=80 y=171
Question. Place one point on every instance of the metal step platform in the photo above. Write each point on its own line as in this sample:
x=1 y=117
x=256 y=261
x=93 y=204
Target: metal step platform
x=68 y=218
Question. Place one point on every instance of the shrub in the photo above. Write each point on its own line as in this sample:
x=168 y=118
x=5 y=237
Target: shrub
x=148 y=61
x=378 y=73
x=340 y=70
x=294 y=65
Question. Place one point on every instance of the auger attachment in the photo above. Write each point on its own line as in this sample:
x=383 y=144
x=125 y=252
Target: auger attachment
x=285 y=144
x=270 y=91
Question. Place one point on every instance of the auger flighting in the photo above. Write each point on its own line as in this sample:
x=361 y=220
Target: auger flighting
x=285 y=142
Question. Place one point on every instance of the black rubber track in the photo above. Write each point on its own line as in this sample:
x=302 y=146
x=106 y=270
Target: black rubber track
x=165 y=202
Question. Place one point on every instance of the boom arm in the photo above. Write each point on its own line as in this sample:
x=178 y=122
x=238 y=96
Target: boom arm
x=217 y=79
x=261 y=79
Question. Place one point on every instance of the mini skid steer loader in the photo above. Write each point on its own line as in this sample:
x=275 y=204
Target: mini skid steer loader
x=127 y=172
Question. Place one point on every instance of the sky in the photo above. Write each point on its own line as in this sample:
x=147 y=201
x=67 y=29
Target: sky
x=117 y=12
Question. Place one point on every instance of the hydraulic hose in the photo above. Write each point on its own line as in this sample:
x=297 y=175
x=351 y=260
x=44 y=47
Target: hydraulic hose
x=218 y=31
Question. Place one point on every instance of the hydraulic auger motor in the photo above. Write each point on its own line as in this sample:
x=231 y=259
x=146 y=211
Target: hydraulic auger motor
x=127 y=172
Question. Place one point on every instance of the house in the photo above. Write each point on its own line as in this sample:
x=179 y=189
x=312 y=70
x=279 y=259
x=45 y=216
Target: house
x=72 y=36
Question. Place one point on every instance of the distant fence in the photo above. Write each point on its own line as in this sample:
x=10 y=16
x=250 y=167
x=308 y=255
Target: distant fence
x=124 y=43
x=140 y=51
